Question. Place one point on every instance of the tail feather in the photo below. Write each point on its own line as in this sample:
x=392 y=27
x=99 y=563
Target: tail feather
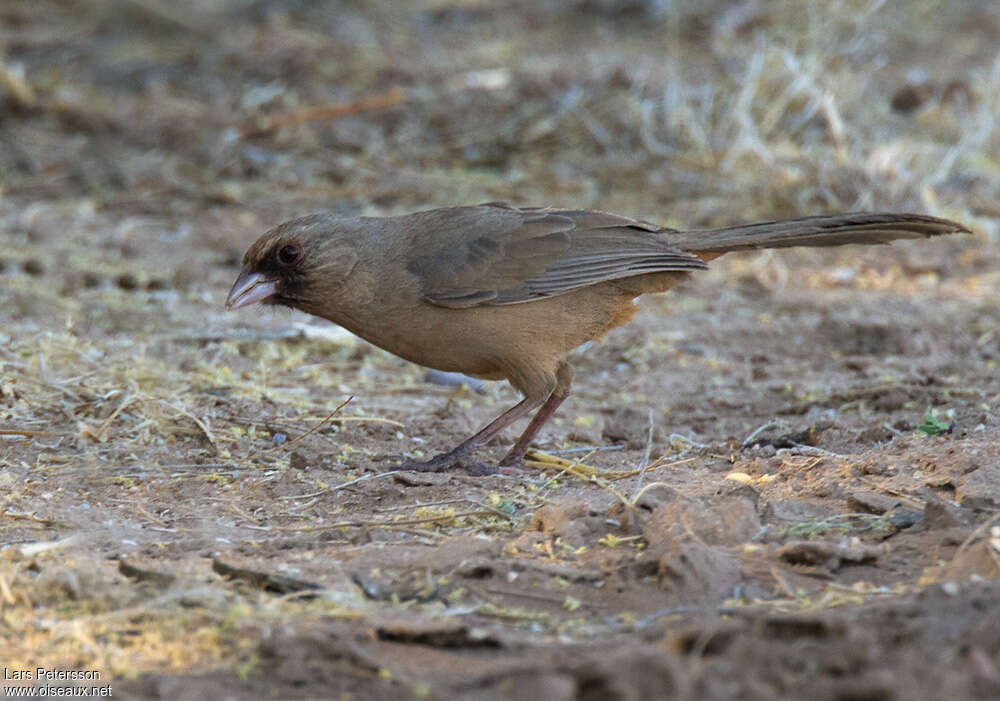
x=828 y=230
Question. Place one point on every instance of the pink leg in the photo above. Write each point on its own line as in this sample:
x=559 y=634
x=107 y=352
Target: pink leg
x=469 y=446
x=461 y=454
x=564 y=378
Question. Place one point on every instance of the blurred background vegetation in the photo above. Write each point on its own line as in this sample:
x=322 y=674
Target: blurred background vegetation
x=687 y=113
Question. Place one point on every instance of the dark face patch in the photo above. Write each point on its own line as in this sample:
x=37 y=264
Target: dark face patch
x=282 y=261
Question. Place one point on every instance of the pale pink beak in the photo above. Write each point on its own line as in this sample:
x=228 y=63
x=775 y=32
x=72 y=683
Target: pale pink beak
x=250 y=288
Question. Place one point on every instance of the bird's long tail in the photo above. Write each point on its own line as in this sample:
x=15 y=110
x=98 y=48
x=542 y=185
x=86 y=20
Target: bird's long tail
x=829 y=230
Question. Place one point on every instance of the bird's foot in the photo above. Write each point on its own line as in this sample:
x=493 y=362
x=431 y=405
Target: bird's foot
x=511 y=463
x=462 y=457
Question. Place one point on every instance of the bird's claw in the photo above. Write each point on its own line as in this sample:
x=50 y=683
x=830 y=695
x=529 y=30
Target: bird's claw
x=461 y=457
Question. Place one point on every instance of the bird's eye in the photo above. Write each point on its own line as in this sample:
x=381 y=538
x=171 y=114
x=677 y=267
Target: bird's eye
x=289 y=254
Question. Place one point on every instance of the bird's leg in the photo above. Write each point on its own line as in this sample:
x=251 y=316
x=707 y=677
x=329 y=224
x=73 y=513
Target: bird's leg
x=461 y=454
x=564 y=378
x=545 y=402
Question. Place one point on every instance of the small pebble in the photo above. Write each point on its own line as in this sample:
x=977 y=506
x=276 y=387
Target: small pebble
x=298 y=461
x=127 y=281
x=90 y=280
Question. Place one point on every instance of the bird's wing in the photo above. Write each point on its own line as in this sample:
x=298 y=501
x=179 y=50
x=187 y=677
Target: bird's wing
x=496 y=254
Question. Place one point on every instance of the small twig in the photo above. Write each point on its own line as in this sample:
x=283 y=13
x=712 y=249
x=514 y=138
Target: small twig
x=310 y=495
x=249 y=517
x=55 y=386
x=656 y=465
x=299 y=508
x=320 y=424
x=366 y=420
x=800 y=449
x=352 y=482
x=586 y=449
x=492 y=510
x=782 y=583
x=656 y=615
x=914 y=501
x=684 y=439
x=389 y=525
x=635 y=497
x=424 y=505
x=429 y=519
x=32 y=549
x=645 y=459
x=198 y=422
x=27 y=432
x=5 y=591
x=102 y=432
x=757 y=431
x=16 y=85
x=143 y=511
x=326 y=112
x=567 y=468
x=28 y=517
x=445 y=502
x=890 y=429
x=541 y=459
x=606 y=486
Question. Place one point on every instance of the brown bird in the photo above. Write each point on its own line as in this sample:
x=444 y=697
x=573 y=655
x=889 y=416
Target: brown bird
x=499 y=292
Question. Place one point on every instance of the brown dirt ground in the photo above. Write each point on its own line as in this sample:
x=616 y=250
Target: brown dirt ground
x=755 y=512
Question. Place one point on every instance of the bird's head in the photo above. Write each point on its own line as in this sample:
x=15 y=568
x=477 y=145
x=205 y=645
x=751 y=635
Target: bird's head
x=294 y=264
